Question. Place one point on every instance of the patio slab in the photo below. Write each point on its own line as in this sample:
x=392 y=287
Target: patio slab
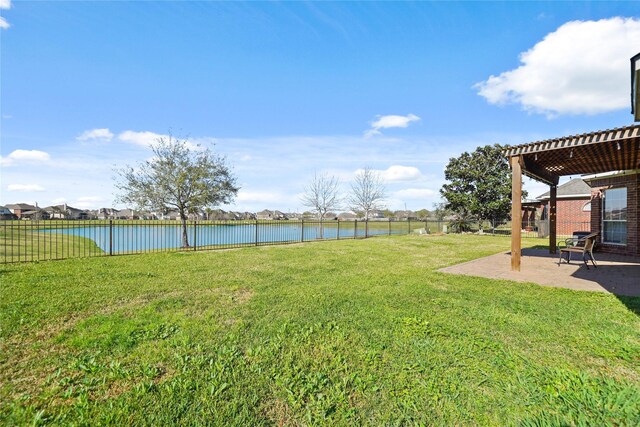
x=615 y=274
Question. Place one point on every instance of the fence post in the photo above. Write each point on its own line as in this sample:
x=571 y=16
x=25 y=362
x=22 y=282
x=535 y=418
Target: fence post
x=426 y=227
x=338 y=233
x=110 y=237
x=409 y=222
x=195 y=233
x=355 y=228
x=389 y=226
x=302 y=231
x=256 y=232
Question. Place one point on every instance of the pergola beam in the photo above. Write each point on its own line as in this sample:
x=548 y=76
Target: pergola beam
x=553 y=218
x=538 y=173
x=516 y=212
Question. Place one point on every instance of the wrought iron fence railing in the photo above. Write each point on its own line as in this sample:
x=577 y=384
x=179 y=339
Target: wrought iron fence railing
x=58 y=239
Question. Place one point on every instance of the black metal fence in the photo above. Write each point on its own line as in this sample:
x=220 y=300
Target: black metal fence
x=58 y=239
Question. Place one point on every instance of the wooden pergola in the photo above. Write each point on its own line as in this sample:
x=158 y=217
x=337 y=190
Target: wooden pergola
x=548 y=160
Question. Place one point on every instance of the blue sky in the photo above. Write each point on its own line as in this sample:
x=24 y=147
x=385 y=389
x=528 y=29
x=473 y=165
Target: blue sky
x=288 y=89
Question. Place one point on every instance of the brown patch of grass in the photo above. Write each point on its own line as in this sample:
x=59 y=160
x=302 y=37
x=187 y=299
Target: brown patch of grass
x=621 y=373
x=242 y=295
x=280 y=413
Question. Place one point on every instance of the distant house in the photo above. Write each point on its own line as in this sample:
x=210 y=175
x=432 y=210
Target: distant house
x=347 y=216
x=270 y=215
x=18 y=208
x=127 y=214
x=65 y=212
x=235 y=216
x=248 y=216
x=264 y=214
x=106 y=213
x=196 y=216
x=294 y=216
x=376 y=214
x=6 y=214
x=34 y=215
x=171 y=215
x=406 y=215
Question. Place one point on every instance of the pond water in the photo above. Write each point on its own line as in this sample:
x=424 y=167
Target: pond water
x=137 y=238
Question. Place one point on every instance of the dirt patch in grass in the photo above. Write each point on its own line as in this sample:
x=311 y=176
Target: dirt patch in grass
x=280 y=413
x=241 y=296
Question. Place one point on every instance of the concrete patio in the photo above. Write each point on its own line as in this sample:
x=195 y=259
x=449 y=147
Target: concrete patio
x=615 y=274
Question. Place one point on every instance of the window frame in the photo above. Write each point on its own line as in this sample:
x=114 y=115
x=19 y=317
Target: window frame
x=602 y=218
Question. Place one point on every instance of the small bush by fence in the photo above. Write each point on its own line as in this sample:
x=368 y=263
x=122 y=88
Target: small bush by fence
x=59 y=239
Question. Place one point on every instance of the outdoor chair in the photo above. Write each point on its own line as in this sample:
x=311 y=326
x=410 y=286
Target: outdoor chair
x=579 y=244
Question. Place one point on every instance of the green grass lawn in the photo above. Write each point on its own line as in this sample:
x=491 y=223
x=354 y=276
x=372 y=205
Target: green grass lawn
x=327 y=333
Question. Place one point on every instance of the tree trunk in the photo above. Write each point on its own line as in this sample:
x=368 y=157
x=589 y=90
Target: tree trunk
x=185 y=238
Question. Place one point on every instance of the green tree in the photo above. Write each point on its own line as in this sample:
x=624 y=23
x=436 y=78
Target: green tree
x=422 y=214
x=388 y=213
x=179 y=176
x=479 y=185
x=440 y=211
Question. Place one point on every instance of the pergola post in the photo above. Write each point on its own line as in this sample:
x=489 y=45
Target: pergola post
x=553 y=193
x=516 y=212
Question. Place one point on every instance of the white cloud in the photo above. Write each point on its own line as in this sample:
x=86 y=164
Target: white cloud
x=30 y=156
x=581 y=68
x=147 y=138
x=390 y=121
x=394 y=173
x=58 y=201
x=414 y=193
x=88 y=202
x=25 y=187
x=99 y=135
x=4 y=4
x=259 y=197
x=144 y=139
x=401 y=173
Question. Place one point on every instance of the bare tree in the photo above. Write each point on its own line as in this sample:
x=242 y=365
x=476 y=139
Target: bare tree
x=322 y=195
x=177 y=177
x=367 y=192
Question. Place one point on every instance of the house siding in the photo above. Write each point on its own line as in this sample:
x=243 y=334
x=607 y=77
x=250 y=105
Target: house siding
x=570 y=215
x=632 y=183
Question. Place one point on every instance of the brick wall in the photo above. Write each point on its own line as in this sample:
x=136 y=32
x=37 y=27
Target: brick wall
x=632 y=182
x=570 y=215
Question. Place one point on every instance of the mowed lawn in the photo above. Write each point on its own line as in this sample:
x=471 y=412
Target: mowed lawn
x=353 y=332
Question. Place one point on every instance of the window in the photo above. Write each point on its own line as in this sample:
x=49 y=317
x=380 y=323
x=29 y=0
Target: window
x=614 y=216
x=587 y=207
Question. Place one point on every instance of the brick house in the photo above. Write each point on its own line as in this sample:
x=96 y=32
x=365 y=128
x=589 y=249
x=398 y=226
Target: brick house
x=615 y=210
x=573 y=209
x=19 y=208
x=609 y=161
